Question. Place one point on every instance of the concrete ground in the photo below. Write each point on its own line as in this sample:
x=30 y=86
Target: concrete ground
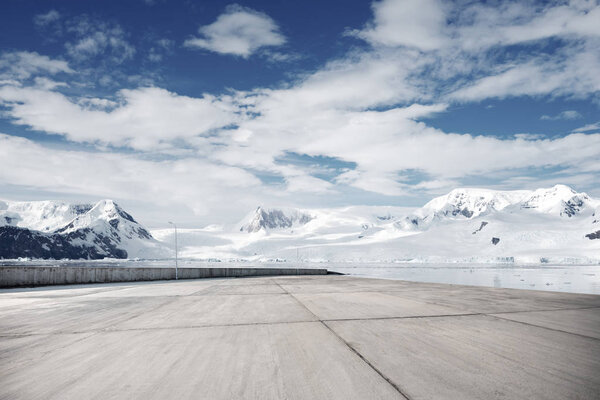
x=321 y=337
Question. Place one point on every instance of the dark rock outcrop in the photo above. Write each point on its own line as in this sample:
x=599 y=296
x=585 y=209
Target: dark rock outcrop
x=18 y=242
x=572 y=207
x=483 y=223
x=593 y=235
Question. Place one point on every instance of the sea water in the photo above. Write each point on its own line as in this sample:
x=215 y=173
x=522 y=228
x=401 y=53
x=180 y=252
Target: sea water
x=559 y=278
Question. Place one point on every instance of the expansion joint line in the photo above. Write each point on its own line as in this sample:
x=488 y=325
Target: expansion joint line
x=352 y=349
x=543 y=327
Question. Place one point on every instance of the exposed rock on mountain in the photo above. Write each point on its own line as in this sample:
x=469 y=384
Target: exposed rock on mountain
x=483 y=224
x=593 y=235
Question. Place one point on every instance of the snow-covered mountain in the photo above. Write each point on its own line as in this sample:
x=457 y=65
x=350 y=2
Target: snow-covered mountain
x=275 y=218
x=466 y=225
x=545 y=225
x=468 y=203
x=52 y=229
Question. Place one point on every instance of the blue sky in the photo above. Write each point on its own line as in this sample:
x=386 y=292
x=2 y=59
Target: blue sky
x=202 y=110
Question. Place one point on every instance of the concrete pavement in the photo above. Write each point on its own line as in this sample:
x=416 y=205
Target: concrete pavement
x=297 y=337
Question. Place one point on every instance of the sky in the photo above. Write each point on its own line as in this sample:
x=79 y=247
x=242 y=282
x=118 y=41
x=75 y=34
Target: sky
x=199 y=111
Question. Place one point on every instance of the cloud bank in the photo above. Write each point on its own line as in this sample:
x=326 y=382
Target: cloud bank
x=357 y=124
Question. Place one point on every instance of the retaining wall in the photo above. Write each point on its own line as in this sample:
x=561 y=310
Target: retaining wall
x=16 y=276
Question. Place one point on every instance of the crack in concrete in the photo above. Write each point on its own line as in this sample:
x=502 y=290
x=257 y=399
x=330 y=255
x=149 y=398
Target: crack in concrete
x=366 y=361
x=403 y=317
x=546 y=310
x=358 y=354
x=544 y=327
x=111 y=328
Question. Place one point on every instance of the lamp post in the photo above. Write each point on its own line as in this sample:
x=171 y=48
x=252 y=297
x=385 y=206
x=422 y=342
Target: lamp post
x=175 y=226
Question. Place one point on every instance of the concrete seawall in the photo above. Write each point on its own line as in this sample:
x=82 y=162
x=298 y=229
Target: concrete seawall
x=20 y=276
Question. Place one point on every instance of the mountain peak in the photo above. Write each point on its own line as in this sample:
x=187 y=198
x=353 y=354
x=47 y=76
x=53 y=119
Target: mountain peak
x=273 y=218
x=559 y=199
x=107 y=216
x=564 y=188
x=107 y=209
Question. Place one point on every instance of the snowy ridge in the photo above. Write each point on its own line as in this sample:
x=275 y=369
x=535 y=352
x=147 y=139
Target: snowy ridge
x=466 y=225
x=45 y=216
x=561 y=200
x=470 y=203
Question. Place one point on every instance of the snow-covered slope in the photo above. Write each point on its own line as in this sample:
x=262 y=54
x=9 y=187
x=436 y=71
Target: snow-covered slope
x=45 y=216
x=47 y=229
x=468 y=203
x=544 y=225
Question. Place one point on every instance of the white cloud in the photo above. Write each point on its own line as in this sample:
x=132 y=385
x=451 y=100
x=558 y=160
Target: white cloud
x=326 y=114
x=480 y=26
x=413 y=23
x=42 y=20
x=159 y=49
x=568 y=72
x=146 y=118
x=383 y=144
x=432 y=24
x=588 y=128
x=360 y=81
x=529 y=136
x=47 y=84
x=307 y=183
x=10 y=82
x=382 y=183
x=22 y=65
x=567 y=114
x=94 y=38
x=189 y=183
x=92 y=103
x=239 y=31
x=463 y=46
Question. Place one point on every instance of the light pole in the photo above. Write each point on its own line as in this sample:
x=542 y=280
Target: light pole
x=175 y=226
